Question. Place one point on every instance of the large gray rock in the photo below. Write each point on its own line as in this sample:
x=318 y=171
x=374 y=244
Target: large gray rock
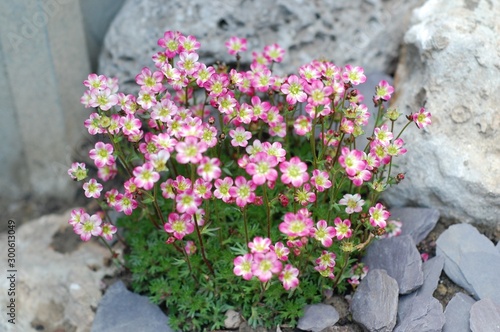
x=417 y=222
x=306 y=30
x=59 y=277
x=451 y=61
x=375 y=302
x=400 y=258
x=471 y=260
x=485 y=316
x=457 y=313
x=318 y=317
x=123 y=311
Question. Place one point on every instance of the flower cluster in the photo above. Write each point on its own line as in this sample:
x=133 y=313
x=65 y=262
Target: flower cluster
x=199 y=138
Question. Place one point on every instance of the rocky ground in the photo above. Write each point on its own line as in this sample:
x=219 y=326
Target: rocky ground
x=54 y=247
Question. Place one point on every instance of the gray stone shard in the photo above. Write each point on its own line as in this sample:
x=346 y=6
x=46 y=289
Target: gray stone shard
x=471 y=260
x=422 y=314
x=375 y=302
x=121 y=310
x=417 y=222
x=400 y=258
x=457 y=313
x=485 y=316
x=318 y=317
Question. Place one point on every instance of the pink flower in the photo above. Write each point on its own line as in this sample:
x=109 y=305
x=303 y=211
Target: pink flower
x=167 y=189
x=240 y=137
x=342 y=228
x=262 y=80
x=188 y=62
x=235 y=45
x=170 y=42
x=383 y=135
x=130 y=124
x=383 y=91
x=318 y=93
x=94 y=81
x=111 y=197
x=265 y=265
x=243 y=266
x=102 y=154
x=353 y=203
x=422 y=118
x=378 y=215
x=179 y=225
x=125 y=203
x=353 y=75
x=302 y=125
x=145 y=176
x=396 y=148
x=260 y=245
x=304 y=195
x=78 y=171
x=294 y=90
x=294 y=225
x=222 y=189
x=88 y=226
x=324 y=233
x=288 y=277
x=352 y=160
x=261 y=167
x=321 y=180
x=281 y=251
x=188 y=43
x=190 y=150
x=294 y=172
x=108 y=230
x=146 y=99
x=150 y=81
x=76 y=216
x=209 y=168
x=243 y=191
x=392 y=228
x=190 y=248
x=325 y=261
x=346 y=126
x=187 y=202
x=164 y=110
x=92 y=188
x=360 y=177
x=104 y=99
x=93 y=124
x=274 y=52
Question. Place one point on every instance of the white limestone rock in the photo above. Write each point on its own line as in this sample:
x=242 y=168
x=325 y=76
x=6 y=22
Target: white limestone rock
x=451 y=61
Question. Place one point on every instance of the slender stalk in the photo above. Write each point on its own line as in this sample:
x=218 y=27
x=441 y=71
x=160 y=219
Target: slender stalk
x=268 y=210
x=202 y=246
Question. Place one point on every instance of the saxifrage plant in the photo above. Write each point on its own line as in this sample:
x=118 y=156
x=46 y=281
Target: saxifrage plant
x=240 y=189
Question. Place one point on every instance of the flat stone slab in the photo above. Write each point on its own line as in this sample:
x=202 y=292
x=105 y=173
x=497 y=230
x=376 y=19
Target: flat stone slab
x=375 y=302
x=121 y=310
x=417 y=222
x=457 y=313
x=318 y=317
x=400 y=258
x=422 y=314
x=471 y=261
x=485 y=316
